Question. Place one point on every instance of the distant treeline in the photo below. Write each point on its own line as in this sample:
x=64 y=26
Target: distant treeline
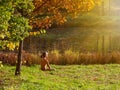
x=83 y=43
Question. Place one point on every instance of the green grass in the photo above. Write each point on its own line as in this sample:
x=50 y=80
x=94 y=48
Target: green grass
x=74 y=77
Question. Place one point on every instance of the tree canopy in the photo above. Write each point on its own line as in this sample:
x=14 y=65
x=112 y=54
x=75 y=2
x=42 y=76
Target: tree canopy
x=14 y=23
x=48 y=12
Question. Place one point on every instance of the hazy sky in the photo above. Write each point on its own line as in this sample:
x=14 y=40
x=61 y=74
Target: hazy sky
x=115 y=3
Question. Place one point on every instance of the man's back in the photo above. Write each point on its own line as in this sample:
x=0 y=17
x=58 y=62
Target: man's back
x=43 y=64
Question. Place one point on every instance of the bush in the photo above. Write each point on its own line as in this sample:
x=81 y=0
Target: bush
x=72 y=57
x=55 y=57
x=68 y=57
x=27 y=59
x=30 y=59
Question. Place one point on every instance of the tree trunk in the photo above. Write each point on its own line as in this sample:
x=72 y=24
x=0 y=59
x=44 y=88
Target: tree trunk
x=103 y=44
x=110 y=43
x=97 y=44
x=19 y=59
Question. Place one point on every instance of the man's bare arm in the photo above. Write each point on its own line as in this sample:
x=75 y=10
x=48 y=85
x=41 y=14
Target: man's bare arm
x=48 y=65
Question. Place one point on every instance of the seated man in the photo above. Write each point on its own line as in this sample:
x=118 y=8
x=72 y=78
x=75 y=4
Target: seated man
x=45 y=62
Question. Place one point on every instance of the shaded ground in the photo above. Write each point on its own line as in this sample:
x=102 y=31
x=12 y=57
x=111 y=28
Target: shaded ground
x=75 y=77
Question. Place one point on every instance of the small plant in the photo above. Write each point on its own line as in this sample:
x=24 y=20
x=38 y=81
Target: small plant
x=1 y=65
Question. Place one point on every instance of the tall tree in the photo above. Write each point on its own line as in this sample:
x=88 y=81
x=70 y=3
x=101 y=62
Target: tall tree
x=14 y=25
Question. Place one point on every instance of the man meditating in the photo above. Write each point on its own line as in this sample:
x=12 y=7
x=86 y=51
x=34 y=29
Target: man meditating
x=45 y=63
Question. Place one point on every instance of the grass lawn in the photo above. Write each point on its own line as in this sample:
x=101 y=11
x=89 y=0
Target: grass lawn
x=73 y=77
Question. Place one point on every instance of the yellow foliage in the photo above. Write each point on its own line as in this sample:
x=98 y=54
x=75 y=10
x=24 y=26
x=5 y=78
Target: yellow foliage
x=58 y=10
x=34 y=33
x=11 y=46
x=37 y=32
x=1 y=64
x=2 y=36
x=98 y=2
x=31 y=33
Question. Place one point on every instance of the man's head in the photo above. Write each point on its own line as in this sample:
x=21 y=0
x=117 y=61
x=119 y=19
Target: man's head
x=44 y=54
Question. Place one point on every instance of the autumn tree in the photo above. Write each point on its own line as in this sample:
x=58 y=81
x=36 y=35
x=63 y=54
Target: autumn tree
x=14 y=25
x=48 y=12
